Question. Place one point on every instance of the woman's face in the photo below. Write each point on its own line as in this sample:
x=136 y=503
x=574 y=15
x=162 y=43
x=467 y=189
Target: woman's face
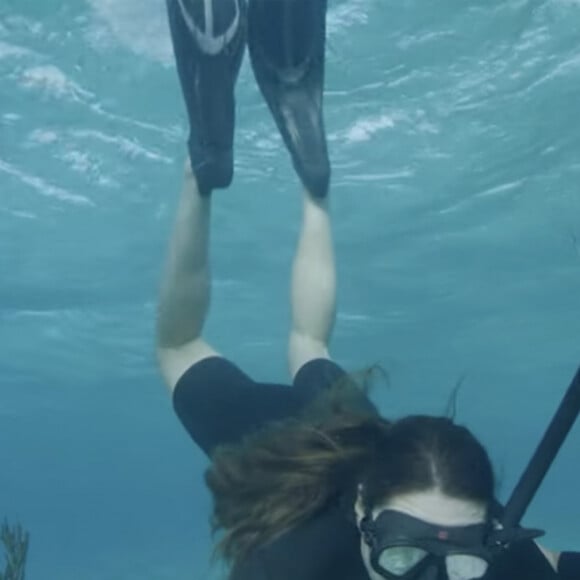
x=432 y=507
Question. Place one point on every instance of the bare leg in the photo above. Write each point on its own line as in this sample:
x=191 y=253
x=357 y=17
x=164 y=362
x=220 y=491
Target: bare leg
x=185 y=291
x=313 y=287
x=208 y=60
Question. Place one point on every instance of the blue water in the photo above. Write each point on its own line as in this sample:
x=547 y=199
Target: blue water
x=455 y=144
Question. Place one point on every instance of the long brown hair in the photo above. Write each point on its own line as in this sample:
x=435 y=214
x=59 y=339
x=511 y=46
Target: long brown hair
x=283 y=474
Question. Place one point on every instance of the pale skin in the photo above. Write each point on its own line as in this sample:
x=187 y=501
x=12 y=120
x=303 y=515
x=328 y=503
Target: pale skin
x=185 y=291
x=184 y=305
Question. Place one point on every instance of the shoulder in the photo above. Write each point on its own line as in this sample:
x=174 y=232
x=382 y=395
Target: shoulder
x=552 y=557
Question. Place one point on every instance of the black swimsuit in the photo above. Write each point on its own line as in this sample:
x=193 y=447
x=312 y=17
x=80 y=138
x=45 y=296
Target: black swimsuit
x=219 y=404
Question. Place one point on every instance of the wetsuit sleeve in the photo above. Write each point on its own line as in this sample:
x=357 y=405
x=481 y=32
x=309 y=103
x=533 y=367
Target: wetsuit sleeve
x=569 y=565
x=522 y=560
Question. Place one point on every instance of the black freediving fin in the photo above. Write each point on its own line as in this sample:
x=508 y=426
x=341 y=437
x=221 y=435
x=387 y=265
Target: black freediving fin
x=209 y=39
x=286 y=41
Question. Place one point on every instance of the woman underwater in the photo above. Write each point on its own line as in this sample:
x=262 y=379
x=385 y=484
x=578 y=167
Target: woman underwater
x=309 y=482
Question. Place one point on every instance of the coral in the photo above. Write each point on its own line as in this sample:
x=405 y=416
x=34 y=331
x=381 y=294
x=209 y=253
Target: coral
x=15 y=541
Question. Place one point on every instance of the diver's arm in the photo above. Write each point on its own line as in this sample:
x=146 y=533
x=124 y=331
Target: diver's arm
x=569 y=565
x=552 y=557
x=313 y=286
x=185 y=290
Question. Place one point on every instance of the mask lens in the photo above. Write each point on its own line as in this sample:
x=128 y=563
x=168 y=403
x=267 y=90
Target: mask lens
x=464 y=567
x=399 y=560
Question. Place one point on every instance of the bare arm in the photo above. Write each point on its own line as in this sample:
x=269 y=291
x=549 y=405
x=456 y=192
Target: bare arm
x=552 y=557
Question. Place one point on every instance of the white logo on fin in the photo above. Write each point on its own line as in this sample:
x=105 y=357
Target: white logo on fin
x=206 y=40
